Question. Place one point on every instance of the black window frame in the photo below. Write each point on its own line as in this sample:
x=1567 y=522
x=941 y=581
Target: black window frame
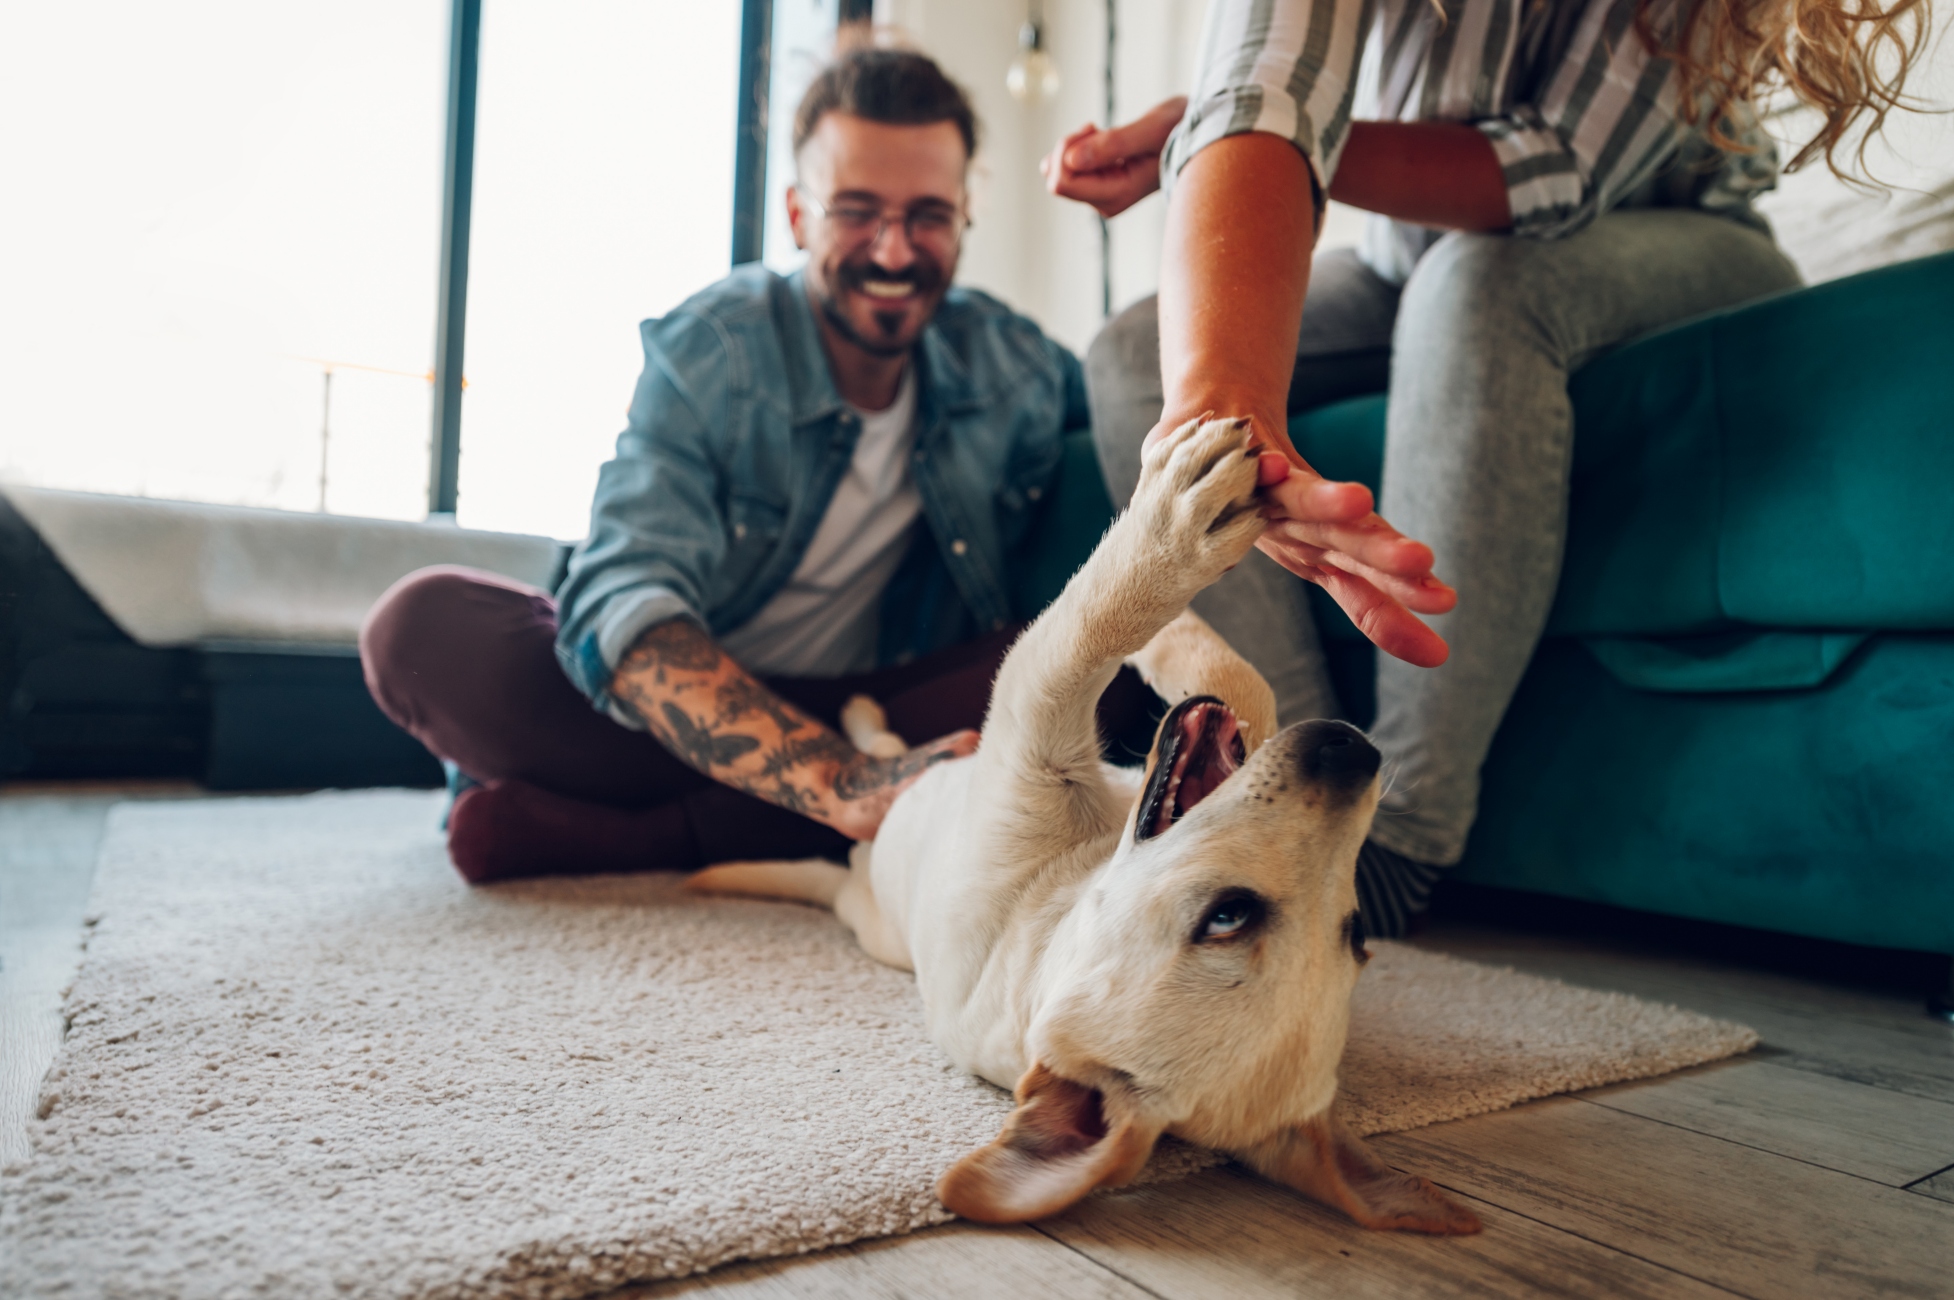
x=457 y=197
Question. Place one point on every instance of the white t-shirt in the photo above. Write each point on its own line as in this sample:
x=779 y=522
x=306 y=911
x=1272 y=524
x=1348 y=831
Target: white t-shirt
x=826 y=620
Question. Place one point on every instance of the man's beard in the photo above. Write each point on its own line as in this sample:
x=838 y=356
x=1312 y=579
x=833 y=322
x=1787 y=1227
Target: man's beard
x=924 y=275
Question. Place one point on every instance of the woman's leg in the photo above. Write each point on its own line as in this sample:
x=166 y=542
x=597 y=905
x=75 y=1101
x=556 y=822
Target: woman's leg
x=1343 y=351
x=1477 y=455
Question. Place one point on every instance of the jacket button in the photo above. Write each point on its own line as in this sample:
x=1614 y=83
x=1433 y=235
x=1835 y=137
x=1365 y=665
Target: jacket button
x=1034 y=493
x=739 y=530
x=959 y=546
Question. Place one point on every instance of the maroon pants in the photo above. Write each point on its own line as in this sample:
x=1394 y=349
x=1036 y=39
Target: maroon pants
x=465 y=662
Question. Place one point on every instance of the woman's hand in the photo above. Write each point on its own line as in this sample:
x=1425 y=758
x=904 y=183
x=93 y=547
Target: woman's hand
x=1111 y=169
x=1330 y=533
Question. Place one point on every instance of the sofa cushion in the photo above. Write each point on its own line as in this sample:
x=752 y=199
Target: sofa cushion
x=1783 y=464
x=1779 y=465
x=1744 y=660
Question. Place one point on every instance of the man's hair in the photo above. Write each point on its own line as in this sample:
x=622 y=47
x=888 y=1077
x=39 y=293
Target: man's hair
x=897 y=87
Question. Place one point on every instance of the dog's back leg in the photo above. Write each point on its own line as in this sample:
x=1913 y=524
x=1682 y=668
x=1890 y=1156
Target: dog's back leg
x=845 y=891
x=867 y=728
x=1187 y=657
x=858 y=910
x=805 y=880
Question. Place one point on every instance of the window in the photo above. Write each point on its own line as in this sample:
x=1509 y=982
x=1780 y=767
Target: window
x=211 y=205
x=803 y=38
x=603 y=195
x=220 y=254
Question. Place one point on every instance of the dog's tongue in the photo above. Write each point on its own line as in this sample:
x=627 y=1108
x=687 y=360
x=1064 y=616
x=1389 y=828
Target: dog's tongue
x=1209 y=752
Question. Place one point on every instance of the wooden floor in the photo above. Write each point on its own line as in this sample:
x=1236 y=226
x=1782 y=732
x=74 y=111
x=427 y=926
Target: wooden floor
x=1820 y=1165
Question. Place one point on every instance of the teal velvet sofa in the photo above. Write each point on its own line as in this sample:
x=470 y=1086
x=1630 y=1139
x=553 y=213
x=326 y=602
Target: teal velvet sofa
x=1743 y=707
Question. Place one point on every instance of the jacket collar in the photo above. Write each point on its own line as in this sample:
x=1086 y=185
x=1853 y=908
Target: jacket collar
x=810 y=384
x=944 y=382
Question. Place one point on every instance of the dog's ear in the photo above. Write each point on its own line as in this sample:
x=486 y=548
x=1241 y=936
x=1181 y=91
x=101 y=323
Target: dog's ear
x=1325 y=1161
x=1058 y=1145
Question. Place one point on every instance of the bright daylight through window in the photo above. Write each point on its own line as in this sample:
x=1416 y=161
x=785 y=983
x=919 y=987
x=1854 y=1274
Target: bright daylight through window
x=224 y=287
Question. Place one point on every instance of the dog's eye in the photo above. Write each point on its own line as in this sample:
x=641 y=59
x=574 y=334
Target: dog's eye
x=1233 y=914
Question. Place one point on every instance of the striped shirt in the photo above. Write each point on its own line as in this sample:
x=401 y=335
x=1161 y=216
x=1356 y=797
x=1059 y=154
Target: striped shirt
x=1581 y=117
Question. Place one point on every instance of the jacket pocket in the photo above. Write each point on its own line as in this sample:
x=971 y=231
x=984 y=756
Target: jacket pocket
x=1020 y=499
x=753 y=530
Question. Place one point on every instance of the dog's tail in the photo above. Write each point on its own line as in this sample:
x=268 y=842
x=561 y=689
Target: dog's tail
x=807 y=880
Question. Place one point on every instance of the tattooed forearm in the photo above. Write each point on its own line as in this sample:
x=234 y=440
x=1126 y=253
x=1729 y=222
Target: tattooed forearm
x=679 y=645
x=697 y=745
x=801 y=751
x=881 y=775
x=741 y=696
x=721 y=720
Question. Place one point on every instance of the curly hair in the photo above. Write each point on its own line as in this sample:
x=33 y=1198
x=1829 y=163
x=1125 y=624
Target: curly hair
x=1848 y=59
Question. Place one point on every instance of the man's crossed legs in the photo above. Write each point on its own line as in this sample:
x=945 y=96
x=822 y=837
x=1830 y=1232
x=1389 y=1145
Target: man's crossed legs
x=465 y=662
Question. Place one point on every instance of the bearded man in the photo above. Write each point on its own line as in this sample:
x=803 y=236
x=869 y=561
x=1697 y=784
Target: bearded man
x=820 y=492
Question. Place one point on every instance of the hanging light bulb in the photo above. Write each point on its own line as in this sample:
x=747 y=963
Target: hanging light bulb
x=1032 y=77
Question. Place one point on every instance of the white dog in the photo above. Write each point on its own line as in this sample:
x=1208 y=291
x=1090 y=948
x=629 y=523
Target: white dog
x=1138 y=953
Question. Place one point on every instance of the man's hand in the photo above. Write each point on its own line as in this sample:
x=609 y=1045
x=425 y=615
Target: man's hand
x=1111 y=169
x=721 y=720
x=865 y=788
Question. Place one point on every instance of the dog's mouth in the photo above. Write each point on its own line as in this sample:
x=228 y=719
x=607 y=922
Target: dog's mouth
x=1200 y=746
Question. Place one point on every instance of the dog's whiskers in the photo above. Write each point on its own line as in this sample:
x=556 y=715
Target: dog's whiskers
x=1393 y=784
x=1389 y=782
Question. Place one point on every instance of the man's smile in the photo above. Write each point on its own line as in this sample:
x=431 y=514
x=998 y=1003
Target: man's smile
x=888 y=290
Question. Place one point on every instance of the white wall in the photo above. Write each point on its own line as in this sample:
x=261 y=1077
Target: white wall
x=1831 y=228
x=1038 y=253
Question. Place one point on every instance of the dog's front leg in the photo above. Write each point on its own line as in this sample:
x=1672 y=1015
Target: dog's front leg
x=1192 y=518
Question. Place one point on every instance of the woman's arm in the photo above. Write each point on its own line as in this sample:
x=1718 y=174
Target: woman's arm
x=720 y=719
x=1234 y=273
x=1441 y=174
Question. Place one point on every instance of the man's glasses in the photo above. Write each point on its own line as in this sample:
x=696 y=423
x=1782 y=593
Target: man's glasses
x=929 y=224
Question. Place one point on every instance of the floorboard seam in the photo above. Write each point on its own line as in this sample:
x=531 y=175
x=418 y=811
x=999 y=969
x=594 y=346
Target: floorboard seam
x=1608 y=1246
x=1099 y=1263
x=1927 y=1178
x=1718 y=1137
x=1794 y=1060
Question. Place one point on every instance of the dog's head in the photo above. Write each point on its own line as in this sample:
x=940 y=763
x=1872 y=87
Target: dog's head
x=1200 y=984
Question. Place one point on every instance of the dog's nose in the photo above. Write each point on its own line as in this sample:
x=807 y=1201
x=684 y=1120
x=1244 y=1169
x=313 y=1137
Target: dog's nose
x=1336 y=753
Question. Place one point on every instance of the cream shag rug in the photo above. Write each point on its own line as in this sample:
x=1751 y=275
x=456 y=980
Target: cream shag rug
x=304 y=1059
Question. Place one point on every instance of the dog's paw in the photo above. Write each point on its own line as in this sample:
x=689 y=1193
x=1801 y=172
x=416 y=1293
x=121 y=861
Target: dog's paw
x=867 y=728
x=1196 y=497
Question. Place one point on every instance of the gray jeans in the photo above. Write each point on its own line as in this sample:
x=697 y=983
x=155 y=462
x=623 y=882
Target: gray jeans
x=1476 y=350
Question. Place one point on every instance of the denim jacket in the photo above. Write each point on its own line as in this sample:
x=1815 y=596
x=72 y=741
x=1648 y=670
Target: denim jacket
x=737 y=439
